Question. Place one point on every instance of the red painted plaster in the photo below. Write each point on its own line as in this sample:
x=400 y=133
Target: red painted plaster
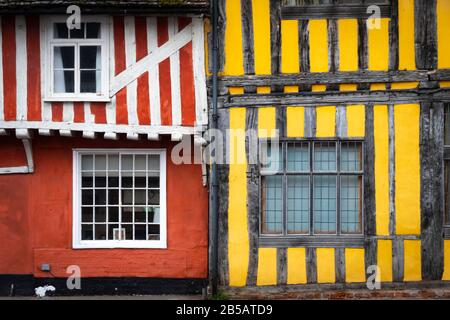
x=36 y=217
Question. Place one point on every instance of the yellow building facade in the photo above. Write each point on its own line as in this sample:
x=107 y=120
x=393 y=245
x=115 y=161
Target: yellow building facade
x=357 y=101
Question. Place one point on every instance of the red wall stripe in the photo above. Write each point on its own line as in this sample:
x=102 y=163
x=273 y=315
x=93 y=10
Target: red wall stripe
x=143 y=98
x=119 y=54
x=9 y=67
x=186 y=79
x=165 y=90
x=57 y=111
x=34 y=69
x=78 y=112
x=98 y=109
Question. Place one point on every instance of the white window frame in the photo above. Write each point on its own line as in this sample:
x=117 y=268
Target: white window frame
x=50 y=42
x=77 y=243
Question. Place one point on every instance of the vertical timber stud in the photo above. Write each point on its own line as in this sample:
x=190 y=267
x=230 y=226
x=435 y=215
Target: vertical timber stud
x=363 y=55
x=340 y=265
x=247 y=36
x=431 y=141
x=223 y=174
x=425 y=37
x=311 y=265
x=303 y=42
x=221 y=25
x=393 y=37
x=333 y=50
x=369 y=190
x=282 y=272
x=275 y=38
x=251 y=148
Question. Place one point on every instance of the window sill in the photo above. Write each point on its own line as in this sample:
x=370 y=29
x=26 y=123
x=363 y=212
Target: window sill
x=78 y=99
x=312 y=241
x=119 y=245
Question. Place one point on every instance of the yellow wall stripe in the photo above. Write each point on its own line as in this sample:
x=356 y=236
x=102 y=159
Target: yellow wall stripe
x=267 y=122
x=443 y=36
x=446 y=275
x=381 y=137
x=413 y=262
x=348 y=87
x=378 y=87
x=261 y=34
x=356 y=121
x=325 y=265
x=407 y=53
x=234 y=64
x=384 y=260
x=318 y=45
x=267 y=267
x=238 y=243
x=290 y=58
x=404 y=85
x=407 y=169
x=296 y=266
x=326 y=122
x=354 y=265
x=295 y=122
x=348 y=44
x=378 y=46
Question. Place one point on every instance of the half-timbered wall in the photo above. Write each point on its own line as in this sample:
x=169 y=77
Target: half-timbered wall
x=157 y=80
x=336 y=78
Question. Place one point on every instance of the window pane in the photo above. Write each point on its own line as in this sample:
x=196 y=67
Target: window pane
x=153 y=232
x=90 y=81
x=153 y=197
x=351 y=157
x=298 y=157
x=271 y=157
x=113 y=214
x=100 y=162
x=87 y=232
x=93 y=30
x=447 y=125
x=325 y=204
x=90 y=57
x=140 y=232
x=351 y=204
x=127 y=162
x=60 y=31
x=100 y=214
x=140 y=214
x=77 y=33
x=153 y=214
x=64 y=57
x=100 y=232
x=113 y=162
x=64 y=81
x=298 y=205
x=87 y=215
x=153 y=163
x=325 y=156
x=140 y=162
x=272 y=203
x=87 y=162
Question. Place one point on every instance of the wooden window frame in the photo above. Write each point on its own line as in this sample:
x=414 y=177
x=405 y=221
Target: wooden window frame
x=311 y=239
x=47 y=57
x=327 y=11
x=78 y=243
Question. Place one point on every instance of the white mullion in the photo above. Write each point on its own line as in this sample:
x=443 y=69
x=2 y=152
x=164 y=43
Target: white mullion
x=93 y=197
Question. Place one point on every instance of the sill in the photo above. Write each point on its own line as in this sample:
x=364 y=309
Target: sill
x=87 y=245
x=312 y=241
x=77 y=99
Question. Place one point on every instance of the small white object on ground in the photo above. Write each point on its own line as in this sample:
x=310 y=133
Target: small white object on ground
x=42 y=291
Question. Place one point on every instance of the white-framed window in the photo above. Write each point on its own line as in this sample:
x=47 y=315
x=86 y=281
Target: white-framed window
x=76 y=61
x=119 y=198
